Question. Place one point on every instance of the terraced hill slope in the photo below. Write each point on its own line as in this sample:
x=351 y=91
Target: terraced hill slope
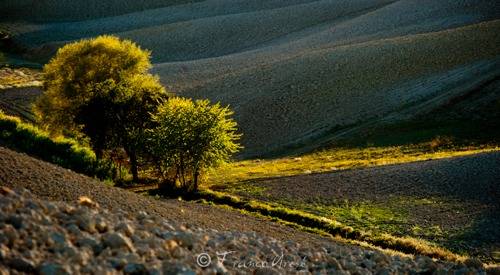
x=455 y=201
x=128 y=233
x=296 y=72
x=54 y=183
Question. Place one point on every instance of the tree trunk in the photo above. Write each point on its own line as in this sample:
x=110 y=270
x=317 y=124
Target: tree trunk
x=133 y=166
x=195 y=180
x=98 y=154
x=182 y=174
x=133 y=163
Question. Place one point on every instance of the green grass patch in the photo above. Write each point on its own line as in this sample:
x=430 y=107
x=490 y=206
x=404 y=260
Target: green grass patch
x=330 y=226
x=242 y=188
x=399 y=223
x=366 y=216
x=64 y=152
x=398 y=216
x=392 y=217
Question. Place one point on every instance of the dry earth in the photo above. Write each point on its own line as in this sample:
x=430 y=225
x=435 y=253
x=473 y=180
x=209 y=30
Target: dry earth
x=19 y=88
x=53 y=183
x=473 y=178
x=18 y=101
x=43 y=237
x=59 y=245
x=460 y=196
x=295 y=71
x=19 y=77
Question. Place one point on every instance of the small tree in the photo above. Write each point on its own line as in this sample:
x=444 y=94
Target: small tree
x=191 y=137
x=100 y=88
x=119 y=115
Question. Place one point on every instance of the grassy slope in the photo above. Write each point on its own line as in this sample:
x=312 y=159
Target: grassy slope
x=336 y=159
x=65 y=152
x=415 y=202
x=316 y=67
x=330 y=227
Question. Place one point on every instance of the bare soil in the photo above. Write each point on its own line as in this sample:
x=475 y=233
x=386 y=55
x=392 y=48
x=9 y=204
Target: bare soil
x=18 y=101
x=473 y=178
x=295 y=71
x=460 y=196
x=53 y=183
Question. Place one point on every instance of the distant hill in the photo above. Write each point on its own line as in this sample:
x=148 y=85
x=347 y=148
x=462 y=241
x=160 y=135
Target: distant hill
x=298 y=73
x=71 y=10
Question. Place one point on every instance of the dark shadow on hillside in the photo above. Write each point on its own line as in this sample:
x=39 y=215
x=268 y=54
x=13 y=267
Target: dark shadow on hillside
x=472 y=118
x=481 y=239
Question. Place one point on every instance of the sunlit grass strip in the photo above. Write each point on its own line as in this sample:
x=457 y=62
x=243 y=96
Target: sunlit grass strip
x=316 y=231
x=61 y=151
x=337 y=159
x=18 y=78
x=402 y=244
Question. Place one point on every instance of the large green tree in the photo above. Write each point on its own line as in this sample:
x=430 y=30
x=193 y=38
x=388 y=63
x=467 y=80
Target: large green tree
x=100 y=88
x=191 y=137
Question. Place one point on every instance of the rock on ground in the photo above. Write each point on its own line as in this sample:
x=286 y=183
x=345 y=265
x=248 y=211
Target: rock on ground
x=47 y=237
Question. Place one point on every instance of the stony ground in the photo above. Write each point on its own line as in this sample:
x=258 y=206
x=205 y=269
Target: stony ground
x=54 y=183
x=81 y=237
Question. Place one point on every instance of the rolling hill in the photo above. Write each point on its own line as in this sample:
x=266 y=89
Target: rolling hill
x=43 y=208
x=301 y=73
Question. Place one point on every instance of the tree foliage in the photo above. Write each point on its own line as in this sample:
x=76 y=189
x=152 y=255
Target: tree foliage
x=101 y=88
x=118 y=116
x=191 y=137
x=78 y=71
